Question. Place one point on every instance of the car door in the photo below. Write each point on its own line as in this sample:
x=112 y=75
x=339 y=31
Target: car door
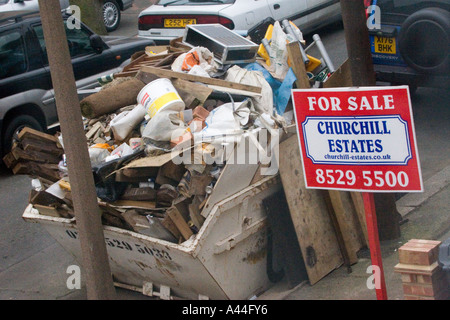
x=21 y=67
x=288 y=9
x=321 y=10
x=85 y=60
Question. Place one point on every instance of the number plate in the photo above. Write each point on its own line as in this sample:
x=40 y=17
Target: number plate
x=384 y=45
x=178 y=23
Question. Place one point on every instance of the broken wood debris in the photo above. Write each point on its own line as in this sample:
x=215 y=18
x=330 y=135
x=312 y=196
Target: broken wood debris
x=36 y=154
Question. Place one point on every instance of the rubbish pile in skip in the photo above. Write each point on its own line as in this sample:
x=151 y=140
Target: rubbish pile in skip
x=163 y=132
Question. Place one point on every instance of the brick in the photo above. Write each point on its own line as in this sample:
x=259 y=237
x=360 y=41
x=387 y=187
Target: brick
x=419 y=290
x=418 y=253
x=200 y=113
x=422 y=241
x=440 y=291
x=440 y=296
x=408 y=278
x=410 y=297
x=416 y=269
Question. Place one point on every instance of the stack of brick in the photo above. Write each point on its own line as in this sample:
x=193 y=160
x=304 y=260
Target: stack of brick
x=422 y=277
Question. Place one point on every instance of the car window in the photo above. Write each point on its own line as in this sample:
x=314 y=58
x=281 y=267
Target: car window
x=12 y=54
x=78 y=40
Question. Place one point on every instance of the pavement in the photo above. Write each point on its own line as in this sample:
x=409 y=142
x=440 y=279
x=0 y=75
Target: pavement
x=43 y=275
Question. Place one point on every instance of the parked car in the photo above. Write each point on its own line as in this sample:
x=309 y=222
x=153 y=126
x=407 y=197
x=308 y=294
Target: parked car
x=26 y=94
x=167 y=19
x=413 y=42
x=112 y=12
x=111 y=9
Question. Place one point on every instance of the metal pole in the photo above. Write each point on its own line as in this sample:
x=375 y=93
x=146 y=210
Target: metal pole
x=324 y=53
x=287 y=26
x=362 y=72
x=358 y=46
x=374 y=244
x=98 y=277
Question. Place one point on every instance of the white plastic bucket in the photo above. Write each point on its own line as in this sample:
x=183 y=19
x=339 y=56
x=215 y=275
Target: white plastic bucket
x=160 y=94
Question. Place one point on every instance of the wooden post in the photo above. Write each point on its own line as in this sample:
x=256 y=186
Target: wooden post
x=98 y=277
x=362 y=73
x=358 y=46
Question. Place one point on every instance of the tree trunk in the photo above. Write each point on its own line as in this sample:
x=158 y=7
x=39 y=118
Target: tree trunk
x=91 y=14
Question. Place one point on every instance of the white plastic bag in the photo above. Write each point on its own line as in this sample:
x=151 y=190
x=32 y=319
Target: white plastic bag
x=278 y=52
x=224 y=123
x=125 y=122
x=163 y=125
x=123 y=150
x=263 y=103
x=205 y=61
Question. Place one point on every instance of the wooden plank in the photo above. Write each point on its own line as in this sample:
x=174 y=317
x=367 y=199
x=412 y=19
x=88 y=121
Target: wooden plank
x=298 y=66
x=342 y=77
x=309 y=213
x=358 y=202
x=179 y=222
x=348 y=223
x=194 y=212
x=35 y=134
x=134 y=204
x=139 y=194
x=189 y=77
x=199 y=91
x=172 y=171
x=9 y=160
x=32 y=155
x=29 y=144
x=47 y=210
x=169 y=225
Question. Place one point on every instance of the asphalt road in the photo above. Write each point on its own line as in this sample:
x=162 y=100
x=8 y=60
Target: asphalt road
x=24 y=244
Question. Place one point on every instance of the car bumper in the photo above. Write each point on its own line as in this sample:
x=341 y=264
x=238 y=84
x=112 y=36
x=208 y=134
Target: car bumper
x=161 y=34
x=127 y=4
x=407 y=75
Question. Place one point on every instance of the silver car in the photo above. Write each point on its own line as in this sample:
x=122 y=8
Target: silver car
x=111 y=9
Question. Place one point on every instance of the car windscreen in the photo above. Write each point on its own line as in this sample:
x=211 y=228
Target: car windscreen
x=193 y=2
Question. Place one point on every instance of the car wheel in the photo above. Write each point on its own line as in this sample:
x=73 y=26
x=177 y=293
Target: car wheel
x=111 y=15
x=424 y=40
x=14 y=127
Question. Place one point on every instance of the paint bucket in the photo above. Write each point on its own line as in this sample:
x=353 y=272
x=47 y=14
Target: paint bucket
x=160 y=94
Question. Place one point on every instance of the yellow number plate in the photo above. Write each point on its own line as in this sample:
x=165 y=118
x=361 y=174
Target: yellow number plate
x=178 y=23
x=384 y=45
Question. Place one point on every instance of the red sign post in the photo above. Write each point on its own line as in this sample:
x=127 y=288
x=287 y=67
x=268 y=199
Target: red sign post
x=359 y=139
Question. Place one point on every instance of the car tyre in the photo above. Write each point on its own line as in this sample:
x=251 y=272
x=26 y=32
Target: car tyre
x=111 y=15
x=13 y=128
x=424 y=40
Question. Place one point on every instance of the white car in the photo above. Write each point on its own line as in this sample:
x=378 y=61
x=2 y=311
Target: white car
x=167 y=19
x=111 y=9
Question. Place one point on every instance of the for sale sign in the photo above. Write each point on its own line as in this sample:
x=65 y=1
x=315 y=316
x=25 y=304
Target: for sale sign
x=359 y=139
